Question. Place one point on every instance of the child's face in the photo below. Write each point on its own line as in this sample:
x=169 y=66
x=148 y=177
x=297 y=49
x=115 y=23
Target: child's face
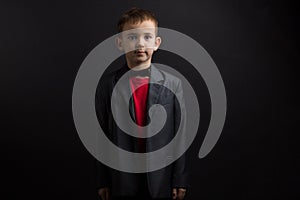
x=139 y=41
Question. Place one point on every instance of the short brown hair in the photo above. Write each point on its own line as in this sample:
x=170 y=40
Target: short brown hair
x=136 y=15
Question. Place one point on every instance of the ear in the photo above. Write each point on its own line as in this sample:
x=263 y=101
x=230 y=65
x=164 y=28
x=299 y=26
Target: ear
x=157 y=43
x=119 y=43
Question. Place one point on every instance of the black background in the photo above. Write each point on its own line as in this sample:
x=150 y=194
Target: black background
x=254 y=44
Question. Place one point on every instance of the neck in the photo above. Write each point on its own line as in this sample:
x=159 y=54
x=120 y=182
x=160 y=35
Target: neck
x=138 y=67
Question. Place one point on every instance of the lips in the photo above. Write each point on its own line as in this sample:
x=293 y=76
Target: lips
x=139 y=51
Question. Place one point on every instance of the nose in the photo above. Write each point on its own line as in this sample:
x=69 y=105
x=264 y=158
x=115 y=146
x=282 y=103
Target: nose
x=140 y=42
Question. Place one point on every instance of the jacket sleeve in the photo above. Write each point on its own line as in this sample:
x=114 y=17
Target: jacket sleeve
x=179 y=167
x=102 y=171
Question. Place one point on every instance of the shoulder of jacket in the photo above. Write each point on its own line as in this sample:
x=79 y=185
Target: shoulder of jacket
x=169 y=77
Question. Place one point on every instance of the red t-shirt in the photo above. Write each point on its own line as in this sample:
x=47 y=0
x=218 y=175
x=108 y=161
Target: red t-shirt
x=140 y=95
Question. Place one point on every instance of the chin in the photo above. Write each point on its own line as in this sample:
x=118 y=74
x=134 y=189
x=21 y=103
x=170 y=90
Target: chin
x=141 y=60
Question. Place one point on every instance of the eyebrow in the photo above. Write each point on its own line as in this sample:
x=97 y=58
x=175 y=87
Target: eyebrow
x=149 y=33
x=129 y=34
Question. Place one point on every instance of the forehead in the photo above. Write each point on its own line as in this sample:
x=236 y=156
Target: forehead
x=147 y=26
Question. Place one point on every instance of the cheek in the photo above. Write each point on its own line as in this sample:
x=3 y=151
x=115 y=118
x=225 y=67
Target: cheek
x=150 y=51
x=129 y=47
x=150 y=44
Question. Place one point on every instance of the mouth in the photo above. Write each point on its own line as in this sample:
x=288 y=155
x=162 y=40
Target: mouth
x=139 y=52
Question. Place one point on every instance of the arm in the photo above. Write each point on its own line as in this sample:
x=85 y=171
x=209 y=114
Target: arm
x=102 y=172
x=179 y=181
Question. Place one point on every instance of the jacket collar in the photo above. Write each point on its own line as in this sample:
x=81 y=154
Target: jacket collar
x=156 y=76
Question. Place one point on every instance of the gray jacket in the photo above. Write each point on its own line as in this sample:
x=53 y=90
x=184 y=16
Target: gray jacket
x=160 y=182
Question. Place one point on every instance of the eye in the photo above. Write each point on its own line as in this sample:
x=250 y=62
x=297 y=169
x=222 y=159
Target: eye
x=148 y=37
x=131 y=37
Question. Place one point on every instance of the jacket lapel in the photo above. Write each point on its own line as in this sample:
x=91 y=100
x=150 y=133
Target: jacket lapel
x=155 y=88
x=125 y=90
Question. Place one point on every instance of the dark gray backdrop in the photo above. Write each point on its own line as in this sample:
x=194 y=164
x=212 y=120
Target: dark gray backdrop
x=254 y=43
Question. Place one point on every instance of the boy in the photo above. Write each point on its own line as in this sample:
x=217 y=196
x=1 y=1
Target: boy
x=139 y=45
